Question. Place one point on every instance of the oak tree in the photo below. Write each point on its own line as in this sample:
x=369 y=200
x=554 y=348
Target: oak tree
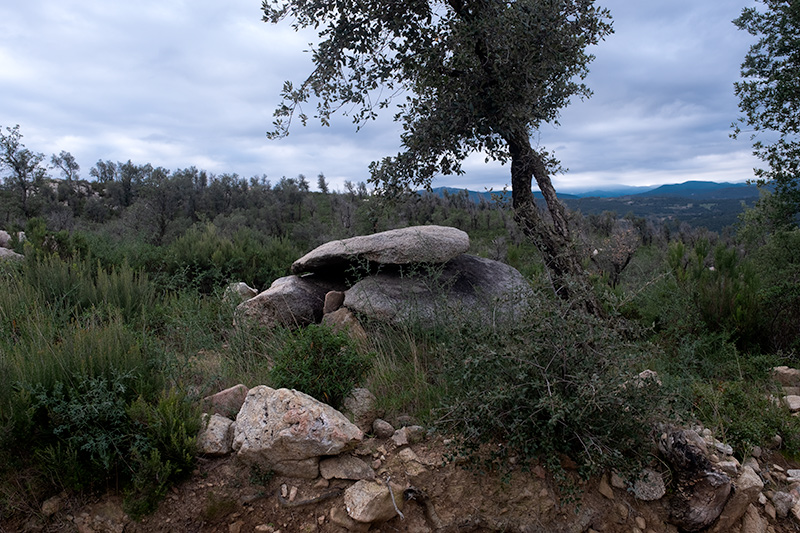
x=475 y=76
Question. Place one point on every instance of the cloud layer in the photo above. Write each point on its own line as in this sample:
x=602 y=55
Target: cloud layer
x=176 y=83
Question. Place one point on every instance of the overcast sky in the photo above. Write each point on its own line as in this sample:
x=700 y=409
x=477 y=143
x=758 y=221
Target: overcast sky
x=177 y=84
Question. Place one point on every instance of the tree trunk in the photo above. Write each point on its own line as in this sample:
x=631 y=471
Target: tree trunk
x=553 y=240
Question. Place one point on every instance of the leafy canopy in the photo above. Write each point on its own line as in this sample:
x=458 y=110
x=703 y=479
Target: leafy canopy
x=769 y=95
x=474 y=73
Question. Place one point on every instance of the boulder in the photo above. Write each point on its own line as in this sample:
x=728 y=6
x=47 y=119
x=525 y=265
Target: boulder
x=287 y=428
x=5 y=239
x=418 y=244
x=701 y=491
x=466 y=287
x=753 y=522
x=786 y=376
x=382 y=429
x=290 y=302
x=333 y=301
x=649 y=486
x=10 y=255
x=371 y=501
x=216 y=436
x=227 y=402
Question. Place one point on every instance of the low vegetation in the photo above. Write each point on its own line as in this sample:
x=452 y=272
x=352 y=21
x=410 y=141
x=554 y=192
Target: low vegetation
x=107 y=343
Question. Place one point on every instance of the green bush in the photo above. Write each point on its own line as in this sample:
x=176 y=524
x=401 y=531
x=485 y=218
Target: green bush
x=319 y=362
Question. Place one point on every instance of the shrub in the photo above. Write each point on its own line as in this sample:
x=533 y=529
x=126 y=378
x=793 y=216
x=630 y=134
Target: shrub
x=319 y=362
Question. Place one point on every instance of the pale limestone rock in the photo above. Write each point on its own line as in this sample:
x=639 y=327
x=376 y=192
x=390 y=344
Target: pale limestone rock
x=747 y=487
x=371 y=501
x=419 y=244
x=289 y=429
x=290 y=302
x=345 y=467
x=216 y=436
x=226 y=402
x=5 y=239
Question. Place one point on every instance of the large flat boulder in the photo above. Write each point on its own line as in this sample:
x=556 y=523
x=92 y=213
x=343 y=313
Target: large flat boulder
x=467 y=287
x=286 y=428
x=418 y=244
x=290 y=302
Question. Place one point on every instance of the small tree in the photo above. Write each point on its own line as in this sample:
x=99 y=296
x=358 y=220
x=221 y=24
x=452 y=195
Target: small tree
x=479 y=75
x=769 y=97
x=26 y=173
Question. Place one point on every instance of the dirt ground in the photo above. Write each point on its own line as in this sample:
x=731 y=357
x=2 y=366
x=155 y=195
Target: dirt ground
x=224 y=496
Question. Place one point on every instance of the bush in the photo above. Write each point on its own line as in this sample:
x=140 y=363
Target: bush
x=321 y=363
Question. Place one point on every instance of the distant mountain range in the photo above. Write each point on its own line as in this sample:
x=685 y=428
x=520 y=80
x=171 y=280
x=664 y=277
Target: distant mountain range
x=699 y=203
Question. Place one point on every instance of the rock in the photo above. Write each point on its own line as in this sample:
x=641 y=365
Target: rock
x=371 y=501
x=290 y=302
x=52 y=505
x=649 y=486
x=786 y=376
x=721 y=447
x=339 y=517
x=794 y=391
x=792 y=402
x=333 y=301
x=466 y=288
x=216 y=437
x=411 y=464
x=238 y=292
x=359 y=405
x=783 y=503
x=382 y=429
x=408 y=435
x=5 y=239
x=753 y=522
x=729 y=467
x=604 y=488
x=10 y=255
x=303 y=468
x=227 y=402
x=418 y=244
x=793 y=475
x=747 y=487
x=617 y=482
x=343 y=320
x=701 y=491
x=287 y=428
x=345 y=467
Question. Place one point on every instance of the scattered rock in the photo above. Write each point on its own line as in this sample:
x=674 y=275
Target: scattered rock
x=372 y=501
x=418 y=244
x=216 y=435
x=360 y=406
x=783 y=503
x=290 y=302
x=238 y=292
x=382 y=429
x=792 y=402
x=786 y=376
x=753 y=522
x=53 y=505
x=604 y=488
x=227 y=402
x=747 y=488
x=339 y=517
x=649 y=486
x=10 y=255
x=408 y=435
x=344 y=320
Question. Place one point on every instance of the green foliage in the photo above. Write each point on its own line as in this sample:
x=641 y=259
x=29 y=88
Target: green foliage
x=321 y=363
x=742 y=414
x=769 y=99
x=554 y=383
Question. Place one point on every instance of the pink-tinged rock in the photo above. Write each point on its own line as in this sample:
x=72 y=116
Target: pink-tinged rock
x=290 y=302
x=371 y=501
x=276 y=426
